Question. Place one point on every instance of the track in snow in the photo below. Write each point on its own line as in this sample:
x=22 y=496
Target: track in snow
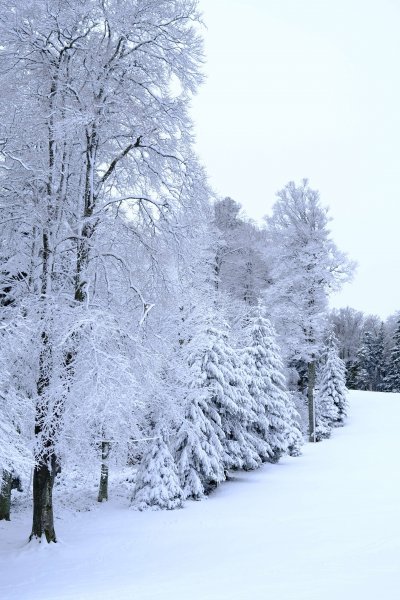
x=325 y=526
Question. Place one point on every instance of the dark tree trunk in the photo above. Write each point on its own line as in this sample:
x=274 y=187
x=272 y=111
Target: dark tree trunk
x=5 y=496
x=103 y=487
x=311 y=406
x=43 y=524
x=45 y=468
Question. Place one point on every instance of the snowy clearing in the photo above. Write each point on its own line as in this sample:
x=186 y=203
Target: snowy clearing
x=325 y=525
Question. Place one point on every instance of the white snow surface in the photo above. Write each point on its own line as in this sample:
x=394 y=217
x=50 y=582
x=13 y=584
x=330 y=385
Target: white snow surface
x=322 y=526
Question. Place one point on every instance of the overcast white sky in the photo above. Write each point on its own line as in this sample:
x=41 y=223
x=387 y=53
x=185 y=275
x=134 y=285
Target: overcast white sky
x=310 y=88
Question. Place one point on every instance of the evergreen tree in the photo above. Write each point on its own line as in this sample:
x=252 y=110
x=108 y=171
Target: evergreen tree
x=295 y=436
x=371 y=361
x=332 y=393
x=378 y=360
x=276 y=421
x=324 y=413
x=227 y=381
x=364 y=363
x=198 y=442
x=392 y=380
x=199 y=451
x=157 y=483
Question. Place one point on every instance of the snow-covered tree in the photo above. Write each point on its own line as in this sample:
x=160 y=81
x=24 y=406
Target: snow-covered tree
x=348 y=324
x=362 y=377
x=104 y=395
x=16 y=406
x=198 y=447
x=371 y=358
x=295 y=435
x=226 y=380
x=392 y=381
x=198 y=441
x=276 y=420
x=305 y=267
x=240 y=267
x=379 y=359
x=331 y=398
x=97 y=161
x=157 y=483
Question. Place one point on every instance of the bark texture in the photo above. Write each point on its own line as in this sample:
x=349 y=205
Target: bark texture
x=43 y=524
x=45 y=469
x=103 y=487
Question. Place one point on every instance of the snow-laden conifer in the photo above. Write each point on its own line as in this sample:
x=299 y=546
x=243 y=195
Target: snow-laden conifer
x=198 y=447
x=276 y=422
x=227 y=381
x=325 y=412
x=370 y=359
x=157 y=483
x=295 y=436
x=331 y=399
x=198 y=442
x=392 y=380
x=333 y=382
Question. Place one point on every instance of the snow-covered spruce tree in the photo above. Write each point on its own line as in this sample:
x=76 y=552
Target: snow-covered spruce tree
x=364 y=378
x=227 y=379
x=276 y=420
x=221 y=374
x=295 y=435
x=305 y=267
x=324 y=413
x=331 y=398
x=100 y=141
x=198 y=441
x=325 y=410
x=392 y=381
x=361 y=378
x=157 y=483
x=197 y=446
x=379 y=359
x=371 y=357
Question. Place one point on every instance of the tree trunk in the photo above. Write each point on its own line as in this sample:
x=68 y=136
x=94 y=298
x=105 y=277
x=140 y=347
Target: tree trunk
x=103 y=487
x=311 y=406
x=43 y=524
x=5 y=496
x=45 y=468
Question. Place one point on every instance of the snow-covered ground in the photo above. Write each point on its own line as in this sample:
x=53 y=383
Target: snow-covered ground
x=323 y=526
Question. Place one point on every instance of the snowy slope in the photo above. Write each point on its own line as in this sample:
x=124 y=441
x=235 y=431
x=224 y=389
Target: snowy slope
x=326 y=525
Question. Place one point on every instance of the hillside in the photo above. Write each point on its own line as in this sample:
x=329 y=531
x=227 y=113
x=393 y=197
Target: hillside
x=324 y=525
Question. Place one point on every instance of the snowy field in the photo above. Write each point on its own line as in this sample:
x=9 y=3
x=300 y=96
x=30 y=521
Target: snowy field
x=323 y=526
